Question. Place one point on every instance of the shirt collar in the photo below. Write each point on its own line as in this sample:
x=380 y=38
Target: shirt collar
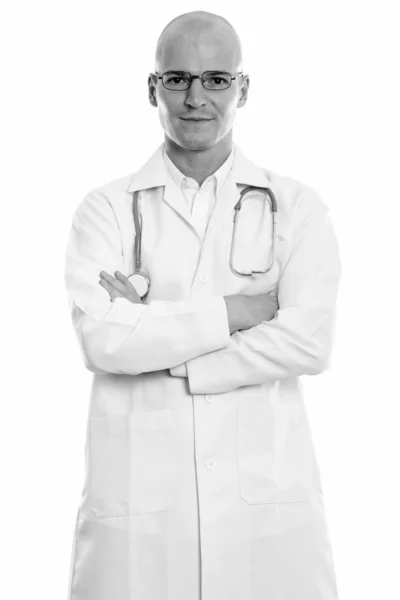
x=154 y=172
x=219 y=176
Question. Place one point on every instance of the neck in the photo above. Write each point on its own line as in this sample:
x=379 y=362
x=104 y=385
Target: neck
x=199 y=164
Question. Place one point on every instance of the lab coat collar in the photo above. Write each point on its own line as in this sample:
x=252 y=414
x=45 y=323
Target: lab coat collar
x=154 y=172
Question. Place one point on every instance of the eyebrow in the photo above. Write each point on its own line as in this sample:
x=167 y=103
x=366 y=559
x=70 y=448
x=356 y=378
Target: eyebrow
x=205 y=71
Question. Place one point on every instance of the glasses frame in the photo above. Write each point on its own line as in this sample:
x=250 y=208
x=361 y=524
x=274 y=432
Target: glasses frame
x=233 y=76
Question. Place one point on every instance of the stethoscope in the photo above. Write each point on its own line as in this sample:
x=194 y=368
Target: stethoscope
x=141 y=281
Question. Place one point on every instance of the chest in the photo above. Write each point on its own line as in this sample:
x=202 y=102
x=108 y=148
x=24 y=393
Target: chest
x=183 y=263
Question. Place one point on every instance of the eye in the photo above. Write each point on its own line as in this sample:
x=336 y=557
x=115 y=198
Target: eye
x=173 y=79
x=219 y=80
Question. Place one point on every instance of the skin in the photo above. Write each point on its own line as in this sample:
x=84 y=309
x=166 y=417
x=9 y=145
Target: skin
x=198 y=42
x=119 y=286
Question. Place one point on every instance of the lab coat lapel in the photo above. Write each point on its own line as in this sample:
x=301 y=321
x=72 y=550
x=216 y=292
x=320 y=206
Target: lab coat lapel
x=227 y=199
x=176 y=200
x=154 y=173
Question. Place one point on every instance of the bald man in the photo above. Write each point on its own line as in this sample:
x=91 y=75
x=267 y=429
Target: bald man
x=201 y=288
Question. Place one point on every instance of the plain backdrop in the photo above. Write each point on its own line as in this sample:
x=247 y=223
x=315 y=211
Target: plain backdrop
x=323 y=108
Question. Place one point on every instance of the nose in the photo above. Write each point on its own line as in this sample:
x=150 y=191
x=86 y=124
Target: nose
x=196 y=96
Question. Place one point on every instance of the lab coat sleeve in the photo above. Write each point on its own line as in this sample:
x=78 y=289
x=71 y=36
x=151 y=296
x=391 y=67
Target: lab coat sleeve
x=122 y=337
x=299 y=340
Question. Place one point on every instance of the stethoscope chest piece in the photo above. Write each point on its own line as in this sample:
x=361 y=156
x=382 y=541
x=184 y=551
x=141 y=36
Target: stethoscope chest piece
x=140 y=282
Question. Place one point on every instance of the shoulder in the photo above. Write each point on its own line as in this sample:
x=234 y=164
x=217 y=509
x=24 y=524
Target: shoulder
x=119 y=185
x=291 y=193
x=299 y=201
x=106 y=199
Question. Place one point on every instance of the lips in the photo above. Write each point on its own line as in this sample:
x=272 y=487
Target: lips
x=196 y=120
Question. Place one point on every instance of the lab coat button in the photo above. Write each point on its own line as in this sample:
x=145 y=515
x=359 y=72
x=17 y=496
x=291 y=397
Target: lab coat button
x=210 y=464
x=209 y=397
x=203 y=278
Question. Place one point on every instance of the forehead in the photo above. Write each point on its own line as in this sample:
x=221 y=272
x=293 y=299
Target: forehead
x=198 y=53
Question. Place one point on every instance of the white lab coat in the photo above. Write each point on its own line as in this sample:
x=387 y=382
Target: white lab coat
x=206 y=486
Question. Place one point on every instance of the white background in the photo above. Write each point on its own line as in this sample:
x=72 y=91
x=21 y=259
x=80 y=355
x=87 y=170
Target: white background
x=323 y=108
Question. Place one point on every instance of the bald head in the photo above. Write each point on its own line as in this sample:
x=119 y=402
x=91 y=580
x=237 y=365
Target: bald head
x=198 y=118
x=205 y=34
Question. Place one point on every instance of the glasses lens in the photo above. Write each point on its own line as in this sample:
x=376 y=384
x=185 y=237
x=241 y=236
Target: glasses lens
x=216 y=80
x=176 y=80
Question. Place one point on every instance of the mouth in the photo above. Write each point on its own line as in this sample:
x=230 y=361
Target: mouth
x=197 y=120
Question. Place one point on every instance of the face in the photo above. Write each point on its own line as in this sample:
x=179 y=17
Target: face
x=178 y=110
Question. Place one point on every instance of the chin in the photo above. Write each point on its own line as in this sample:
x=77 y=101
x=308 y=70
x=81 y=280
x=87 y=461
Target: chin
x=195 y=143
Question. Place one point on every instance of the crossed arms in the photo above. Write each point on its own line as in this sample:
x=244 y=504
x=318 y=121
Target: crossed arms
x=220 y=354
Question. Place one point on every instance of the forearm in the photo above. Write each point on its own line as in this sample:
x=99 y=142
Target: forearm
x=121 y=336
x=133 y=338
x=243 y=312
x=297 y=342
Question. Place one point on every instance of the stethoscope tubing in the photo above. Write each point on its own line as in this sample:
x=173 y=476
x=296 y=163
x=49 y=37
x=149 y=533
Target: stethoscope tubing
x=237 y=208
x=138 y=231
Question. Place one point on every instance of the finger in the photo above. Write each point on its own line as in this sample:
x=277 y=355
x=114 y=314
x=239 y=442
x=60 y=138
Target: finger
x=109 y=288
x=130 y=288
x=122 y=284
x=109 y=277
x=120 y=276
x=123 y=279
x=106 y=285
x=115 y=283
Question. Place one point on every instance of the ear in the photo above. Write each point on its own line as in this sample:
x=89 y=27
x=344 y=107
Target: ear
x=244 y=90
x=152 y=90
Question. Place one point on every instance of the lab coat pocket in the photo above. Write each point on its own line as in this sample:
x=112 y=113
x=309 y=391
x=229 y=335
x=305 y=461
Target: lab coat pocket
x=276 y=457
x=130 y=463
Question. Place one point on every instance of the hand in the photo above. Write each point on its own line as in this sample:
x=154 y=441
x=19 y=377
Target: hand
x=119 y=286
x=245 y=312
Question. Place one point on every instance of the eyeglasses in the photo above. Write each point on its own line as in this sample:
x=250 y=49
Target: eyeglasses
x=211 y=80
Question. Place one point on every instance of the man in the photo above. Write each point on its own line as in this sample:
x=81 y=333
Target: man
x=201 y=477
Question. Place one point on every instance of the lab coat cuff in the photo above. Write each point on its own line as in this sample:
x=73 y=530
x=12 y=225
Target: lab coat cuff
x=179 y=370
x=221 y=322
x=124 y=312
x=196 y=369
